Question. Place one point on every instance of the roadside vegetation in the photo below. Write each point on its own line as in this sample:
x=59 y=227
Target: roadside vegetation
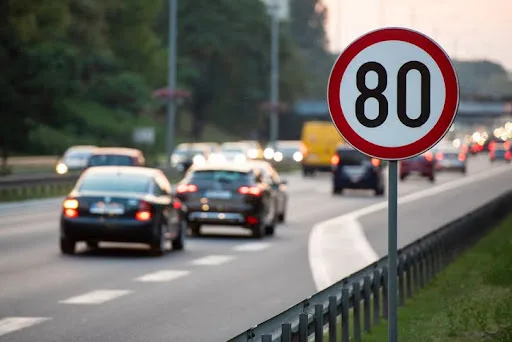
x=469 y=301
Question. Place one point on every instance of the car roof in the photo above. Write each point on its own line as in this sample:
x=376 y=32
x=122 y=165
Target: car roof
x=245 y=167
x=81 y=147
x=117 y=150
x=124 y=170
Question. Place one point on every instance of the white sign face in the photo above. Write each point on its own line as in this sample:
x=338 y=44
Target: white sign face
x=281 y=6
x=393 y=94
x=144 y=135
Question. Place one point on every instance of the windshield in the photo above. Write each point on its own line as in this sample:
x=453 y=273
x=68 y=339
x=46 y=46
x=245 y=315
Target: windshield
x=116 y=183
x=351 y=157
x=110 y=159
x=77 y=155
x=221 y=176
x=232 y=150
x=189 y=152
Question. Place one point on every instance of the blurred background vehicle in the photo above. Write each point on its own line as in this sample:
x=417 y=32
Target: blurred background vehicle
x=500 y=151
x=272 y=177
x=422 y=165
x=116 y=156
x=450 y=158
x=187 y=154
x=233 y=152
x=353 y=170
x=319 y=140
x=254 y=149
x=122 y=204
x=74 y=159
x=228 y=194
x=286 y=151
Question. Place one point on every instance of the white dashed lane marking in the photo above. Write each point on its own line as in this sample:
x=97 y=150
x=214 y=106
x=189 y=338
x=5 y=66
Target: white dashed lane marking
x=11 y=324
x=252 y=247
x=96 y=297
x=163 y=275
x=213 y=260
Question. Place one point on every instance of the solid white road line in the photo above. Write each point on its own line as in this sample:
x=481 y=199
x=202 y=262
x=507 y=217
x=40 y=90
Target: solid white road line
x=213 y=260
x=11 y=324
x=338 y=247
x=96 y=297
x=162 y=276
x=252 y=247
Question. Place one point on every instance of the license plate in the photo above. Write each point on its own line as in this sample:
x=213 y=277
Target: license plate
x=218 y=194
x=107 y=208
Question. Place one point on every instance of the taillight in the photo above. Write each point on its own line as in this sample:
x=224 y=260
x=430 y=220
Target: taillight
x=439 y=156
x=429 y=157
x=182 y=188
x=462 y=157
x=375 y=162
x=335 y=160
x=491 y=146
x=144 y=212
x=249 y=190
x=507 y=155
x=506 y=145
x=177 y=205
x=303 y=149
x=70 y=213
x=70 y=206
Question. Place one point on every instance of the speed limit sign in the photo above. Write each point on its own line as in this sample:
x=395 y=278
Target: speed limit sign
x=393 y=93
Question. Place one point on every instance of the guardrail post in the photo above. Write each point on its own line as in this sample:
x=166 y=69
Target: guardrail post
x=408 y=276
x=286 y=332
x=319 y=323
x=416 y=270
x=428 y=262
x=400 y=270
x=385 y=275
x=421 y=268
x=356 y=306
x=367 y=293
x=303 y=327
x=376 y=295
x=345 y=298
x=333 y=310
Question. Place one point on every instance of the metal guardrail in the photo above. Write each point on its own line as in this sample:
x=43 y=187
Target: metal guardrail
x=339 y=306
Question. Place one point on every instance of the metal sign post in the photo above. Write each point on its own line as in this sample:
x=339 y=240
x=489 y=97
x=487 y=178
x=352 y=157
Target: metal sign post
x=393 y=94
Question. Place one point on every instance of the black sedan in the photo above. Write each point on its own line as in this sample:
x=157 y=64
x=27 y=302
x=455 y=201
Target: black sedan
x=122 y=204
x=228 y=194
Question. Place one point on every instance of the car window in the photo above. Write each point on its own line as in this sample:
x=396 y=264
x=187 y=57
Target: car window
x=223 y=176
x=110 y=159
x=115 y=183
x=352 y=158
x=76 y=155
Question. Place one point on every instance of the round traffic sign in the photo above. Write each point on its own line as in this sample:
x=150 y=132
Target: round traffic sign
x=393 y=93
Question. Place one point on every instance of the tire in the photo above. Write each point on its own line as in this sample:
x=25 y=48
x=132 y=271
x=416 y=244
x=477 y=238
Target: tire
x=158 y=246
x=464 y=171
x=403 y=177
x=379 y=191
x=337 y=190
x=179 y=242
x=92 y=244
x=67 y=246
x=195 y=228
x=432 y=179
x=259 y=230
x=306 y=172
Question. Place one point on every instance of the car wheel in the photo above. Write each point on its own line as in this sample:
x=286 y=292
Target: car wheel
x=158 y=246
x=432 y=179
x=281 y=217
x=92 y=244
x=464 y=171
x=337 y=190
x=179 y=242
x=379 y=191
x=67 y=246
x=259 y=230
x=403 y=177
x=195 y=228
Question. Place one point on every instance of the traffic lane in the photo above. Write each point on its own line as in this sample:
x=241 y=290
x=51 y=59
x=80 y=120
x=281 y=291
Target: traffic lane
x=420 y=217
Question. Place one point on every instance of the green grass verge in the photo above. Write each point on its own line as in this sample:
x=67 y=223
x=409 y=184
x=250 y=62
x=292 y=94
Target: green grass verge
x=470 y=300
x=40 y=191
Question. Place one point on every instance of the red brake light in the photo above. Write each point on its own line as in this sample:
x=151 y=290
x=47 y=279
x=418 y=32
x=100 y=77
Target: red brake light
x=462 y=157
x=506 y=145
x=335 y=159
x=439 y=156
x=177 y=205
x=70 y=206
x=71 y=213
x=182 y=188
x=144 y=212
x=303 y=149
x=507 y=155
x=249 y=190
x=429 y=156
x=375 y=162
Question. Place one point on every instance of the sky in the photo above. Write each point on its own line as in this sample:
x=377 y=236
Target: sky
x=466 y=29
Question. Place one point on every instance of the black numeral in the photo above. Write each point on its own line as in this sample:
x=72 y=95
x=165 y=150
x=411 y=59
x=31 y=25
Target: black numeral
x=377 y=93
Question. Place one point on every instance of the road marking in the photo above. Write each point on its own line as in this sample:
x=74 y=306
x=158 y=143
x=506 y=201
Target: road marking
x=252 y=247
x=213 y=260
x=162 y=276
x=96 y=297
x=342 y=240
x=12 y=324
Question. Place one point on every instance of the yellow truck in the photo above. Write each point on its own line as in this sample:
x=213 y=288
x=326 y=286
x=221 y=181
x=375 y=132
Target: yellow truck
x=319 y=140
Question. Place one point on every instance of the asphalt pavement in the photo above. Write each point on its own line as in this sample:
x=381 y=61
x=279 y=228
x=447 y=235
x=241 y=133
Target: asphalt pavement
x=220 y=285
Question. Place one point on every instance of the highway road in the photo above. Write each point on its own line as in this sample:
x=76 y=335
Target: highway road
x=220 y=284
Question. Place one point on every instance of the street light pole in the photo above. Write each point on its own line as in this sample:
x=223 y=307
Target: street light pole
x=171 y=104
x=274 y=75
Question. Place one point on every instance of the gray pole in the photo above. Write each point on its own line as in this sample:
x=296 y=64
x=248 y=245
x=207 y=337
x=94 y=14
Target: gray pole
x=274 y=76
x=171 y=105
x=392 y=250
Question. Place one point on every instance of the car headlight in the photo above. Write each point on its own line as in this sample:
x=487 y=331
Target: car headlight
x=252 y=153
x=297 y=156
x=61 y=168
x=268 y=153
x=239 y=158
x=198 y=160
x=278 y=156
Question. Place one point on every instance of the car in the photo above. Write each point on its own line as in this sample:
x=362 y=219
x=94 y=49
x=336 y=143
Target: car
x=122 y=204
x=116 y=156
x=74 y=159
x=318 y=143
x=352 y=169
x=500 y=151
x=187 y=154
x=286 y=151
x=422 y=165
x=273 y=178
x=230 y=194
x=254 y=149
x=233 y=152
x=449 y=158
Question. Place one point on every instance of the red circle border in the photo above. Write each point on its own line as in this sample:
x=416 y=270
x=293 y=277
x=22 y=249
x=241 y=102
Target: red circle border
x=451 y=94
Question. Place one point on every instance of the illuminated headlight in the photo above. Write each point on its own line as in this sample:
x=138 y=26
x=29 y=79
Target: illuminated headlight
x=268 y=153
x=297 y=156
x=456 y=143
x=239 y=158
x=175 y=160
x=216 y=158
x=61 y=168
x=252 y=153
x=198 y=160
x=278 y=156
